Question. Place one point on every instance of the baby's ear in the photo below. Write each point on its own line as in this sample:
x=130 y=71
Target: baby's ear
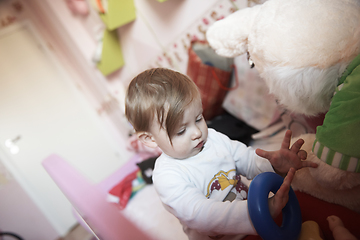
x=147 y=139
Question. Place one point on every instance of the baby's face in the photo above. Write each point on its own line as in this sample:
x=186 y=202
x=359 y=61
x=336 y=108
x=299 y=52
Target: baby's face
x=190 y=137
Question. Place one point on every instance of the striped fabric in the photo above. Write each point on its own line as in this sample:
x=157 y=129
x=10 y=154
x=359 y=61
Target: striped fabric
x=336 y=159
x=342 y=121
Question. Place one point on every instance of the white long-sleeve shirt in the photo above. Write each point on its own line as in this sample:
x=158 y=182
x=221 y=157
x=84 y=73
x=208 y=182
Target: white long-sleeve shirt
x=194 y=189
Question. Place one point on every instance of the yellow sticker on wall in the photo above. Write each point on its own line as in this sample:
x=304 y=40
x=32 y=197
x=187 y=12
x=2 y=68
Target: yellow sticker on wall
x=111 y=55
x=118 y=13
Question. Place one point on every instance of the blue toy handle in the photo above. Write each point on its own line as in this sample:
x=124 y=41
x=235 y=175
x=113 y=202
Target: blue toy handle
x=258 y=207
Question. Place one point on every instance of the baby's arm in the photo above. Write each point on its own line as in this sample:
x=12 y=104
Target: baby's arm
x=280 y=199
x=287 y=157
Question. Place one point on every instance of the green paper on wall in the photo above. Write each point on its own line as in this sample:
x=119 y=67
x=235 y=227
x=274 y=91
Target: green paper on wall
x=111 y=55
x=119 y=12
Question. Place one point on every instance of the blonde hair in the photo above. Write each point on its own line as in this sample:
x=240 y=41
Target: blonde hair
x=160 y=93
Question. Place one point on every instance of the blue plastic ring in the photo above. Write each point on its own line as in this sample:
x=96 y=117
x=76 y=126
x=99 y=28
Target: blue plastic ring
x=258 y=207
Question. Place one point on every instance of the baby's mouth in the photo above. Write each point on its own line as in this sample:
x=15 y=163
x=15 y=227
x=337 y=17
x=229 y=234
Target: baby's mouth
x=200 y=145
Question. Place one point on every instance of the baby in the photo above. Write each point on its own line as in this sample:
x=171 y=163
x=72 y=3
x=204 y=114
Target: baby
x=198 y=175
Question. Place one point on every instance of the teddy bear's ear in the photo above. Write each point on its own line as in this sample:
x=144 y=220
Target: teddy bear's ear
x=229 y=36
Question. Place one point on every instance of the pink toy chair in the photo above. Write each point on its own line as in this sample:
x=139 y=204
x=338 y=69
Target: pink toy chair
x=103 y=218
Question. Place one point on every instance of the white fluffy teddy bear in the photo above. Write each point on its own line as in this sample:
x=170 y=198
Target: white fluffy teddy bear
x=308 y=53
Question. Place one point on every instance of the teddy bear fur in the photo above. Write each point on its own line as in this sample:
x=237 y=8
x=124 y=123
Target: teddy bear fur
x=326 y=182
x=300 y=48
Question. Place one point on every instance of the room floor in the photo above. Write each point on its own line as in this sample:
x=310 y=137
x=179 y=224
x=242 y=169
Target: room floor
x=78 y=233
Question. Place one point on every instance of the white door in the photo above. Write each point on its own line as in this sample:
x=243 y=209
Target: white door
x=41 y=112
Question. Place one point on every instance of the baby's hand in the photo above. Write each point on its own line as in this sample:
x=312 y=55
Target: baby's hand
x=280 y=199
x=285 y=158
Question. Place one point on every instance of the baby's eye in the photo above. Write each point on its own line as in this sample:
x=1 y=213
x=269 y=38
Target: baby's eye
x=199 y=118
x=181 y=132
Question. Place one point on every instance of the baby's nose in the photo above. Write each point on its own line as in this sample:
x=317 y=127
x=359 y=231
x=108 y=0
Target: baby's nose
x=197 y=133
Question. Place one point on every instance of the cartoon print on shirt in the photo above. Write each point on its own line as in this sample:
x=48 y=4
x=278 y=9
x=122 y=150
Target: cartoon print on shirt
x=227 y=186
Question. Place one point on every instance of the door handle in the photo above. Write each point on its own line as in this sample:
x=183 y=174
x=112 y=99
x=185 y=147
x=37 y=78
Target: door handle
x=11 y=144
